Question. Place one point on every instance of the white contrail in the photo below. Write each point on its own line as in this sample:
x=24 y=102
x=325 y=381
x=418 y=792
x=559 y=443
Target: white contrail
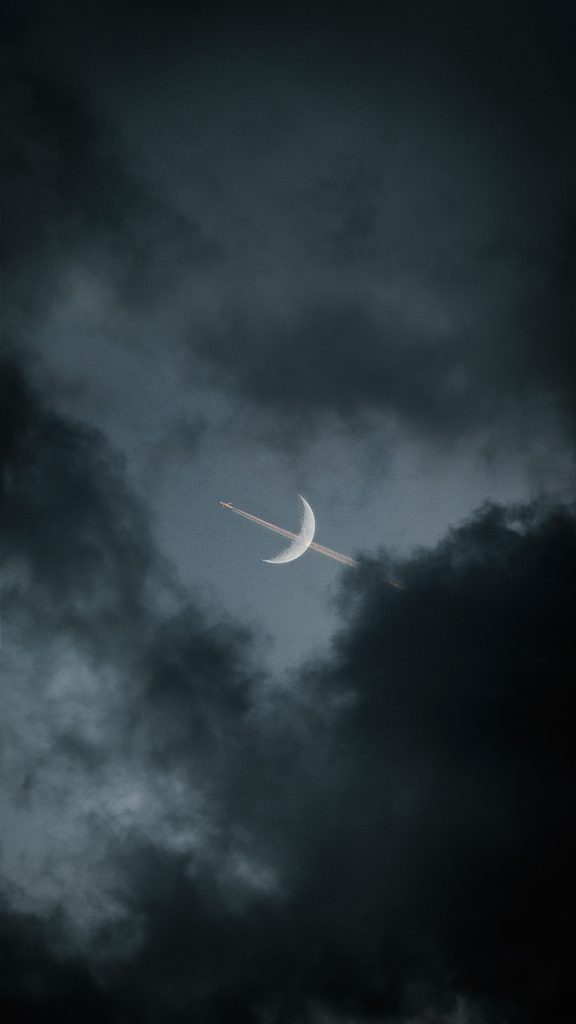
x=336 y=555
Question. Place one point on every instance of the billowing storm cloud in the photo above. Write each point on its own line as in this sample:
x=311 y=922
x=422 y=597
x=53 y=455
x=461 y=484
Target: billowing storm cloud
x=248 y=255
x=390 y=834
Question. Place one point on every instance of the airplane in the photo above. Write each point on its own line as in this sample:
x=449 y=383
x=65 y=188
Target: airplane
x=225 y=504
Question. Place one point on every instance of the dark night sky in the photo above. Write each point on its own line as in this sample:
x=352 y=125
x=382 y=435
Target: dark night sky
x=250 y=253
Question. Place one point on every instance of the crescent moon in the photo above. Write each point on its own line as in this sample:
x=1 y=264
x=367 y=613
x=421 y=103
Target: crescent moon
x=303 y=539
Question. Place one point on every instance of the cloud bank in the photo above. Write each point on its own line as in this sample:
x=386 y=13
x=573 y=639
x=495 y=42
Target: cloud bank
x=361 y=223
x=389 y=839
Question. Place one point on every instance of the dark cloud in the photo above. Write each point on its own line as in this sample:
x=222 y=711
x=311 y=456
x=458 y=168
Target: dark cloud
x=75 y=539
x=356 y=356
x=410 y=180
x=68 y=200
x=378 y=221
x=49 y=986
x=388 y=841
x=434 y=277
x=358 y=218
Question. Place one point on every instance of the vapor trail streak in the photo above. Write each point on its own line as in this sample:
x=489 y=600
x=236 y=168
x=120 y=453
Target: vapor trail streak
x=336 y=555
